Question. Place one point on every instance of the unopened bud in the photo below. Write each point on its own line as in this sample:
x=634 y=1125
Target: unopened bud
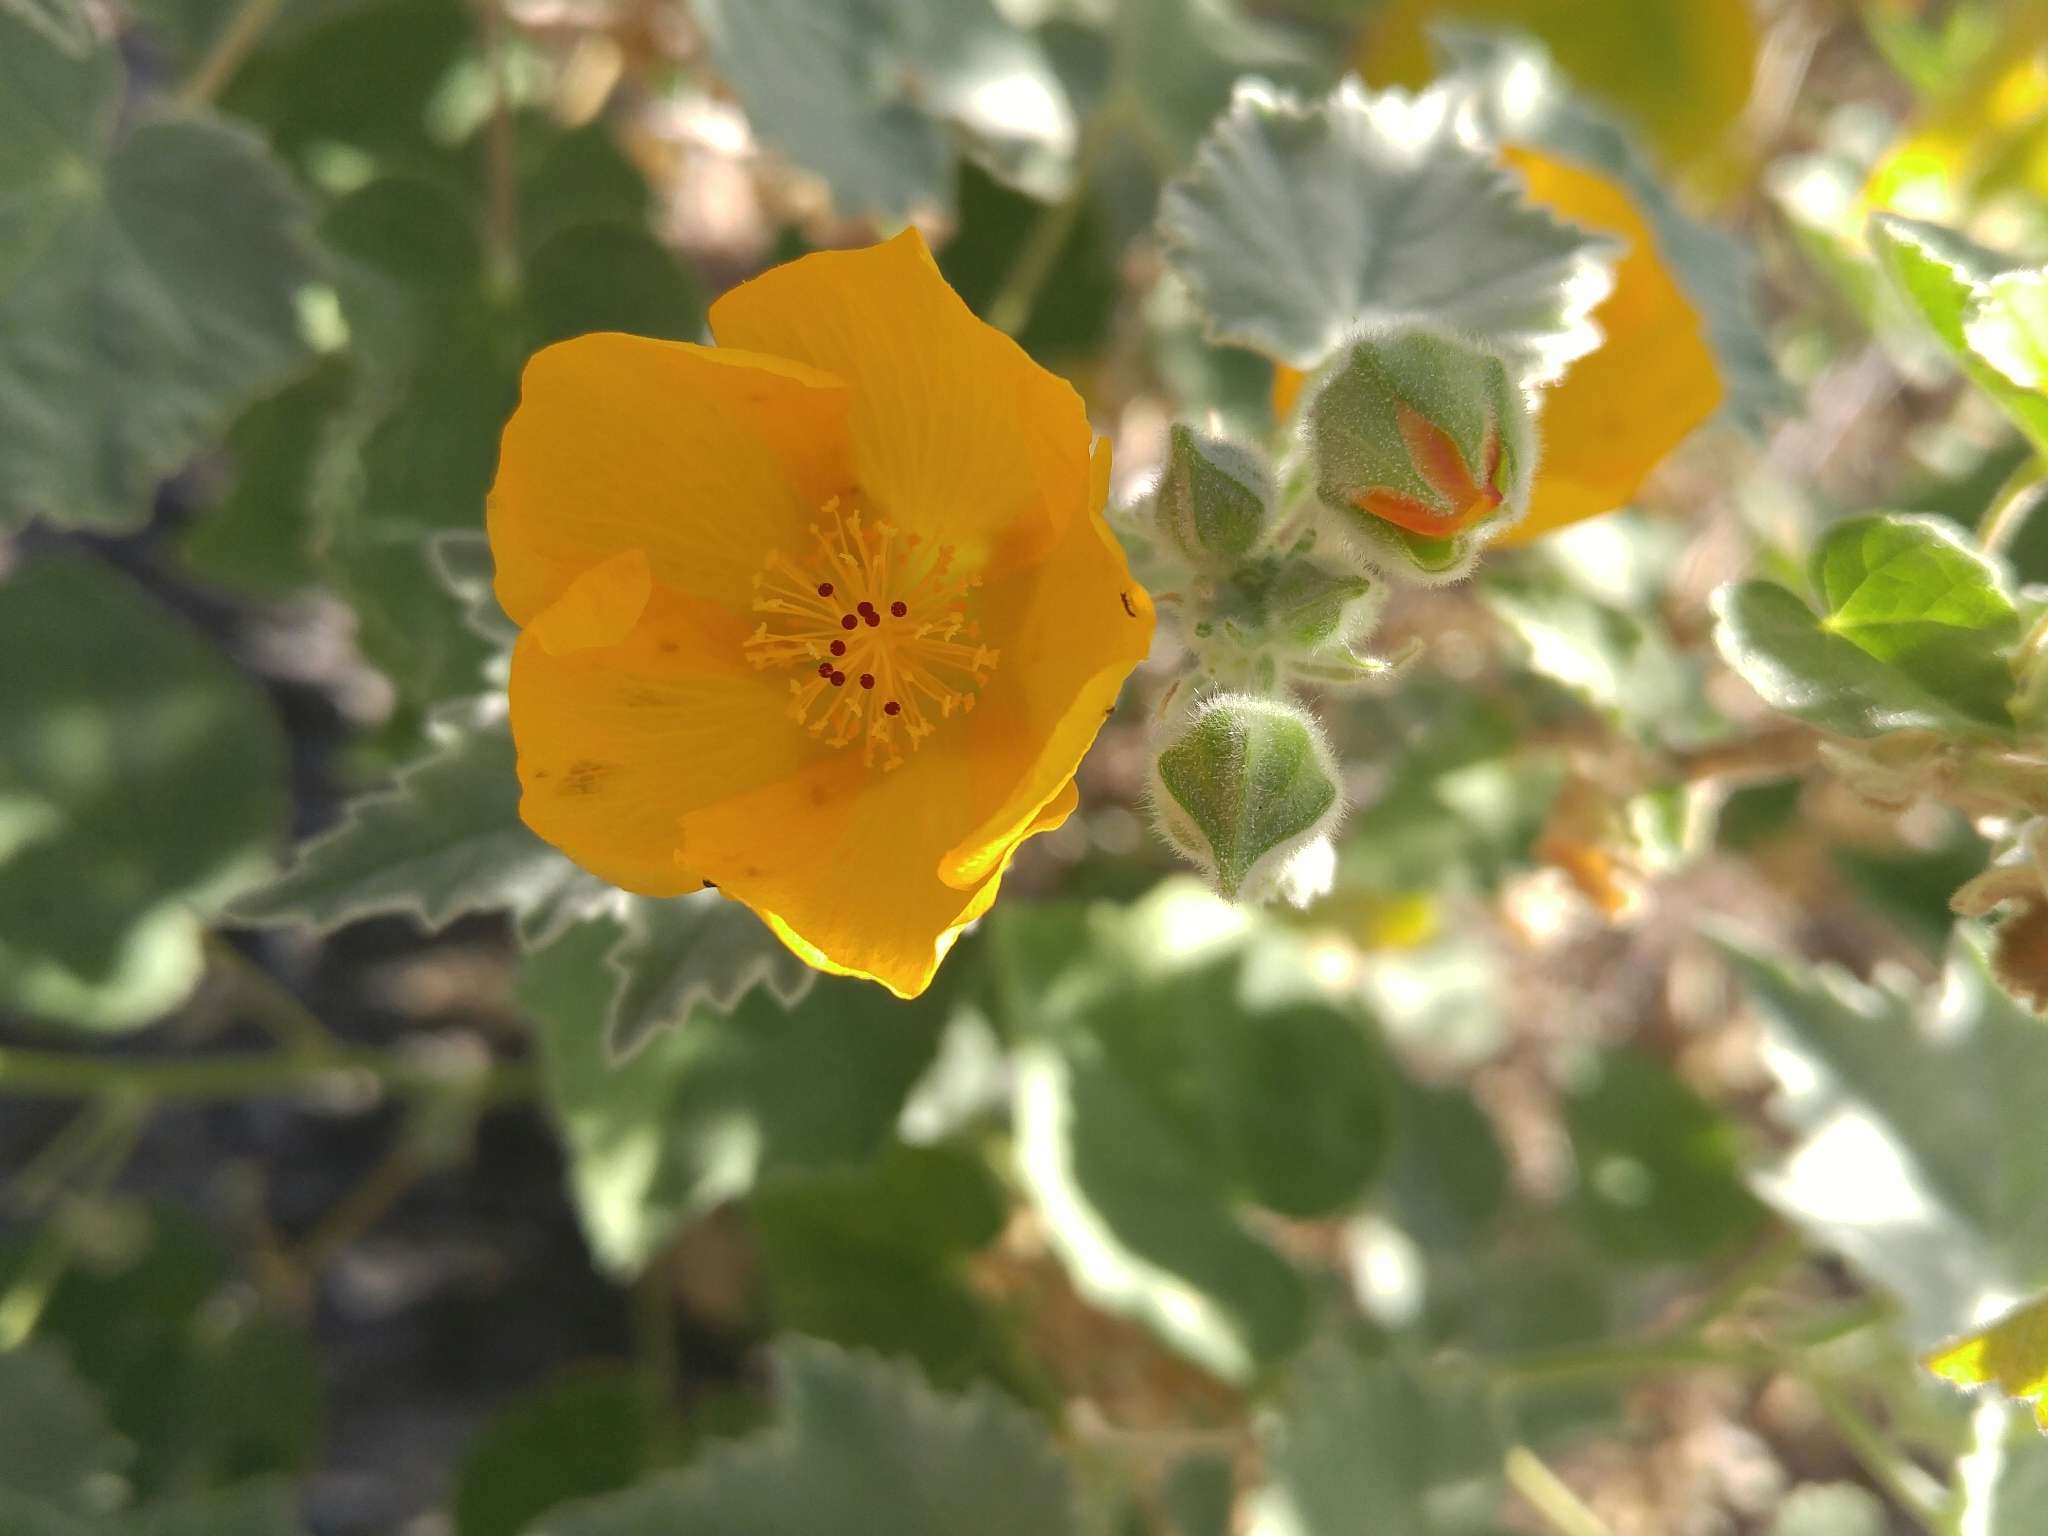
x=1214 y=499
x=1421 y=440
x=1241 y=786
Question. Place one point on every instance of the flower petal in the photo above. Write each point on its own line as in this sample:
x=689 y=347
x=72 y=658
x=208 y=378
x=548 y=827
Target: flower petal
x=957 y=435
x=1621 y=410
x=703 y=458
x=845 y=870
x=1070 y=630
x=617 y=744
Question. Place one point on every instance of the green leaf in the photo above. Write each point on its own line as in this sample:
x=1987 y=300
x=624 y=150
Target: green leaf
x=1622 y=665
x=1955 y=285
x=1830 y=1509
x=443 y=841
x=1177 y=1066
x=873 y=1257
x=1300 y=226
x=706 y=1109
x=62 y=22
x=149 y=278
x=1365 y=1446
x=1922 y=1155
x=858 y=1446
x=208 y=1388
x=56 y=1446
x=589 y=1431
x=692 y=953
x=868 y=93
x=1659 y=1173
x=1176 y=63
x=1912 y=637
x=141 y=787
x=1913 y=594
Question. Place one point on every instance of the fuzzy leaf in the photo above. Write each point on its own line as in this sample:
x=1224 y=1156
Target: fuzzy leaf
x=1912 y=636
x=1955 y=285
x=692 y=952
x=444 y=840
x=867 y=93
x=1301 y=225
x=149 y=280
x=858 y=1446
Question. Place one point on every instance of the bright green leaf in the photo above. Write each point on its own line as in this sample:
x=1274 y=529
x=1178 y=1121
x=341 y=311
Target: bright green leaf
x=1912 y=638
x=1298 y=226
x=1950 y=281
x=858 y=1446
x=141 y=787
x=2007 y=326
x=149 y=281
x=2009 y=1354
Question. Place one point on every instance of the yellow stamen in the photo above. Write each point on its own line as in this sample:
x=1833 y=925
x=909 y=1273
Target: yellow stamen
x=878 y=622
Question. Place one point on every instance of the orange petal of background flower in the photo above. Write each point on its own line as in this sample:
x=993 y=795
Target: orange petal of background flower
x=1680 y=70
x=1620 y=411
x=703 y=458
x=957 y=435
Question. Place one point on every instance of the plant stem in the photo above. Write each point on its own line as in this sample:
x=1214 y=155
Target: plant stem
x=1781 y=1253
x=2012 y=504
x=1549 y=1496
x=197 y=1079
x=56 y=1240
x=1907 y=1485
x=501 y=194
x=654 y=1332
x=236 y=42
x=295 y=1026
x=359 y=1210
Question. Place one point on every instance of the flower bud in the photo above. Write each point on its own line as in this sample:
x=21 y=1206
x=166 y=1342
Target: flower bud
x=1421 y=440
x=1214 y=499
x=1241 y=785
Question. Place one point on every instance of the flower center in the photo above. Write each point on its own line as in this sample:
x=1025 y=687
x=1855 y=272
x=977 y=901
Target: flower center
x=878 y=623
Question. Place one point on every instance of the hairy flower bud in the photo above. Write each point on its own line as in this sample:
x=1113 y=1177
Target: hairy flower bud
x=1241 y=785
x=1420 y=441
x=1214 y=500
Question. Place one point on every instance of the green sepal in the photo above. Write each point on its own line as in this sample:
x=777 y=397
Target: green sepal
x=1215 y=498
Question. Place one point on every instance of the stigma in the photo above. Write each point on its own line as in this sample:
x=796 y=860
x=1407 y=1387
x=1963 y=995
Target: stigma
x=876 y=627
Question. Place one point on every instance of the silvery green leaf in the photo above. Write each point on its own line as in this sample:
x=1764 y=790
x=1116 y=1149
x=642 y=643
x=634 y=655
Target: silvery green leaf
x=869 y=94
x=1300 y=225
x=444 y=840
x=691 y=952
x=149 y=280
x=1920 y=1152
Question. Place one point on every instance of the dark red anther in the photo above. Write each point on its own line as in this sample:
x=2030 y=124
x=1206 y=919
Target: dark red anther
x=824 y=669
x=872 y=617
x=867 y=679
x=838 y=647
x=848 y=622
x=824 y=589
x=892 y=708
x=899 y=608
x=838 y=679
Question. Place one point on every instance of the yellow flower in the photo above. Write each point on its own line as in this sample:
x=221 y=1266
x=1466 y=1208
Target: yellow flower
x=1621 y=410
x=1681 y=70
x=825 y=615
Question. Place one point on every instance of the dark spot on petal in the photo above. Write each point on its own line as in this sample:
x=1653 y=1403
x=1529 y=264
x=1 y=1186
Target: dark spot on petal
x=1129 y=607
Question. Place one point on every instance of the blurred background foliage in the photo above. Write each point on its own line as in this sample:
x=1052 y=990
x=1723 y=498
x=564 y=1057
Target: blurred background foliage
x=1593 y=1158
